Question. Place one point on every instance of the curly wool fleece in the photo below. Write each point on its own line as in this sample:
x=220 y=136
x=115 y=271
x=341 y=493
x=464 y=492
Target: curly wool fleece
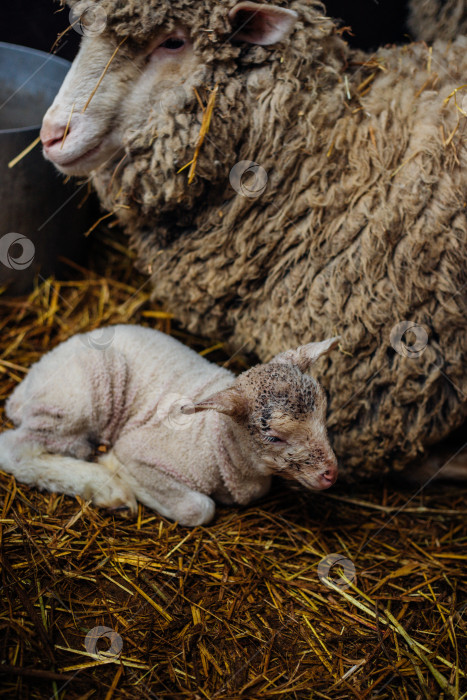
x=362 y=224
x=437 y=19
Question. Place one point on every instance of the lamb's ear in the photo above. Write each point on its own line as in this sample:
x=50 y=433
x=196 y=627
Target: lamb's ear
x=229 y=401
x=306 y=355
x=261 y=24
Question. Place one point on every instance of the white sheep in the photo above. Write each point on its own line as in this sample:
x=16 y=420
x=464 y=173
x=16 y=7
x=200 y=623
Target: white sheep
x=327 y=197
x=125 y=387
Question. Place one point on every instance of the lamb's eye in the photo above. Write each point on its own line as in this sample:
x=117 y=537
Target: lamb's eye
x=173 y=43
x=273 y=438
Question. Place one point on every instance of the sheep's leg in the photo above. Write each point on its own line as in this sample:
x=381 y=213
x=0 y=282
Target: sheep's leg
x=161 y=492
x=31 y=464
x=439 y=465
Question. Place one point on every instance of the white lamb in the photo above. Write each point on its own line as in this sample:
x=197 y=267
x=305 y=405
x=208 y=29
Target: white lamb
x=144 y=395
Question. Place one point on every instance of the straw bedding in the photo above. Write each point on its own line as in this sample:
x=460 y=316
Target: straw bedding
x=235 y=610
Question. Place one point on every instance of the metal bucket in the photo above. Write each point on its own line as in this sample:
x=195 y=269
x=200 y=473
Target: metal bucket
x=40 y=216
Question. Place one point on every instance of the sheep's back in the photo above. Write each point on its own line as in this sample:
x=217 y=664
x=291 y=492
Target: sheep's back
x=367 y=232
x=437 y=19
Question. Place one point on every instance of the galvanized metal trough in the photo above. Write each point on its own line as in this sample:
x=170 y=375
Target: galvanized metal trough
x=40 y=216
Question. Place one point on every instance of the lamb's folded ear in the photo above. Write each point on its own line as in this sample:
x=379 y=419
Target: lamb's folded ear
x=229 y=401
x=306 y=355
x=261 y=24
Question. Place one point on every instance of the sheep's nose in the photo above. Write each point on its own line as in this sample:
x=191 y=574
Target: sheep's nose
x=329 y=476
x=51 y=134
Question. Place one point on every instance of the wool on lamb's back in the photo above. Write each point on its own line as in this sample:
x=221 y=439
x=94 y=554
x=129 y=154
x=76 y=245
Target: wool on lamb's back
x=362 y=224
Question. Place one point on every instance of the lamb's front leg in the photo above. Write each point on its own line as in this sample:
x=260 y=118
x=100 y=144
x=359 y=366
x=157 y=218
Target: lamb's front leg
x=32 y=464
x=159 y=491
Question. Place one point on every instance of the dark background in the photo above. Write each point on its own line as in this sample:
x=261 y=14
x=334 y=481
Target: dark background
x=36 y=23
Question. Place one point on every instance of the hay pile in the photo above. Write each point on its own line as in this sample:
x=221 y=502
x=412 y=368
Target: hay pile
x=232 y=610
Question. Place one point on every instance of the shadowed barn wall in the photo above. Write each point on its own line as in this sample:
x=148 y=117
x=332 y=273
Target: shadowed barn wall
x=36 y=23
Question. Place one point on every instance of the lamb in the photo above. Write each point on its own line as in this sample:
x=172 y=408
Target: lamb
x=328 y=197
x=181 y=432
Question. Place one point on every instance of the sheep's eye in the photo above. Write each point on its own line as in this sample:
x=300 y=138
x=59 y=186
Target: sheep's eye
x=173 y=43
x=273 y=438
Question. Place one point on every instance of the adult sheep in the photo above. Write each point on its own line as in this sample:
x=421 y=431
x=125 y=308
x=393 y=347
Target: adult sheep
x=437 y=19
x=354 y=223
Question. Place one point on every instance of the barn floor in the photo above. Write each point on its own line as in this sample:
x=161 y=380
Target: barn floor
x=234 y=610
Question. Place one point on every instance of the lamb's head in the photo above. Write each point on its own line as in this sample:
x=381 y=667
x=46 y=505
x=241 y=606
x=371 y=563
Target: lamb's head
x=145 y=76
x=282 y=410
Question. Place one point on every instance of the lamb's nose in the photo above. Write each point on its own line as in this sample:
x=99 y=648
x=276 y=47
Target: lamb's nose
x=329 y=476
x=52 y=134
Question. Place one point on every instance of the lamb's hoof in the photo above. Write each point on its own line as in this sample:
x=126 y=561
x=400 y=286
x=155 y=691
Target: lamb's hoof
x=121 y=510
x=115 y=495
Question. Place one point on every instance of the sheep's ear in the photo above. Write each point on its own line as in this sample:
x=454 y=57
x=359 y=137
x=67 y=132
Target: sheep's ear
x=306 y=355
x=229 y=401
x=261 y=24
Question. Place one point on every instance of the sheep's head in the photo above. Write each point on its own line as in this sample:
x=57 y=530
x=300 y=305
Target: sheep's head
x=140 y=83
x=283 y=412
